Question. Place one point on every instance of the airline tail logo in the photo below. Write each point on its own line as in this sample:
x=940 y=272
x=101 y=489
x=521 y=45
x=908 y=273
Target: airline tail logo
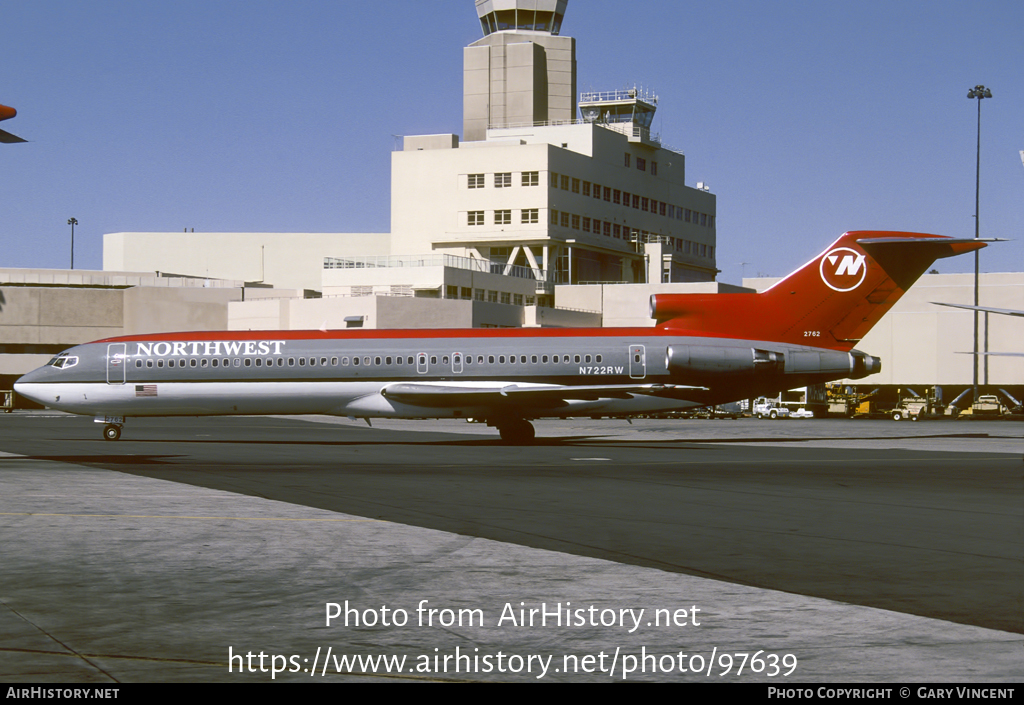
x=843 y=269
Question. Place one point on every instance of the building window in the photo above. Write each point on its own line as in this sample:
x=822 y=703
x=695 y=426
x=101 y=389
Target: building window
x=531 y=215
x=688 y=212
x=564 y=219
x=565 y=182
x=467 y=293
x=476 y=180
x=476 y=217
x=654 y=168
x=627 y=159
x=478 y=295
x=506 y=297
x=704 y=219
x=575 y=185
x=531 y=178
x=503 y=217
x=607 y=228
x=711 y=220
x=636 y=200
x=503 y=180
x=451 y=292
x=586 y=225
x=618 y=197
x=575 y=222
x=554 y=217
x=608 y=193
x=586 y=188
x=645 y=203
x=554 y=180
x=492 y=296
x=517 y=299
x=661 y=208
x=618 y=231
x=641 y=164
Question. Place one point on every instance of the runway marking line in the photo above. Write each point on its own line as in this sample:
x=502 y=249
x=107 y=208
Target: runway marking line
x=171 y=516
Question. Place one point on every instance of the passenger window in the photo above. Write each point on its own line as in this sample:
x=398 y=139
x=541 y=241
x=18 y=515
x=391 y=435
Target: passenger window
x=192 y=362
x=248 y=362
x=376 y=361
x=544 y=359
x=259 y=362
x=334 y=362
x=344 y=362
x=355 y=360
x=237 y=362
x=227 y=362
x=280 y=362
x=387 y=360
x=204 y=362
x=586 y=359
x=501 y=359
x=302 y=362
x=490 y=359
x=409 y=360
x=323 y=362
x=366 y=360
x=598 y=359
x=138 y=363
x=216 y=362
x=433 y=359
x=522 y=359
x=149 y=363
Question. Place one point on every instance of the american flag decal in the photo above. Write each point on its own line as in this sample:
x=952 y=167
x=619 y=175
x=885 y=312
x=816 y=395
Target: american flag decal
x=145 y=390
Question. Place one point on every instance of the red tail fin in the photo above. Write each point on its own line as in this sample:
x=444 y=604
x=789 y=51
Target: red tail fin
x=830 y=302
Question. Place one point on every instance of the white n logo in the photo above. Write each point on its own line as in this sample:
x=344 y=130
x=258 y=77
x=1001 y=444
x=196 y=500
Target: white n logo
x=850 y=264
x=843 y=269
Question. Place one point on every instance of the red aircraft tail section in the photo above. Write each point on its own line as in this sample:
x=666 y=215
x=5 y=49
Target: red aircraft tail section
x=830 y=302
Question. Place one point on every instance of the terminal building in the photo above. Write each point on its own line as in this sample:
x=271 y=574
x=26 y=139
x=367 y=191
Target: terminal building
x=540 y=187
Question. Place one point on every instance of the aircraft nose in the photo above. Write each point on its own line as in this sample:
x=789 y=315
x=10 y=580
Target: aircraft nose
x=27 y=385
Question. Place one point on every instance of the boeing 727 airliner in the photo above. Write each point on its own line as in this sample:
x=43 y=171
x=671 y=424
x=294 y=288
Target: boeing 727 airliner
x=704 y=349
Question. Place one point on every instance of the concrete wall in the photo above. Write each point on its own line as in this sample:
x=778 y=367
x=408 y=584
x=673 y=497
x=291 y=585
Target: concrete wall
x=382 y=312
x=37 y=322
x=290 y=260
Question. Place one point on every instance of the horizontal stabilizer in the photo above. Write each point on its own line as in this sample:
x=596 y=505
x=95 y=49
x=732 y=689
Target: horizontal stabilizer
x=986 y=309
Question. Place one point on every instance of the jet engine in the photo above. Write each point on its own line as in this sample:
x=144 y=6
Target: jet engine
x=700 y=364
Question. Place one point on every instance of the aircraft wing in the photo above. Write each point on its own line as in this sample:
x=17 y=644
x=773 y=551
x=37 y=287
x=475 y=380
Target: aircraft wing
x=8 y=138
x=542 y=396
x=988 y=309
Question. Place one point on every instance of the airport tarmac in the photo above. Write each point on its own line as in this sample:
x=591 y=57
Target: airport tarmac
x=826 y=551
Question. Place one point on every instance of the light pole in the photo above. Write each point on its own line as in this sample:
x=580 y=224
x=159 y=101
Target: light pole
x=979 y=92
x=72 y=222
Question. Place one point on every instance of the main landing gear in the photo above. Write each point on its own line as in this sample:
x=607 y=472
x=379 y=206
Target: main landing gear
x=516 y=431
x=112 y=432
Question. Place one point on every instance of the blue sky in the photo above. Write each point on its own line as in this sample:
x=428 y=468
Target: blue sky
x=806 y=119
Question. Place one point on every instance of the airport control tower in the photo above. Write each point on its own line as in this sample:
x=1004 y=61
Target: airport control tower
x=521 y=72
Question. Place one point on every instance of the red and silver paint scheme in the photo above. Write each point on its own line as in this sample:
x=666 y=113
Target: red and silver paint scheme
x=705 y=349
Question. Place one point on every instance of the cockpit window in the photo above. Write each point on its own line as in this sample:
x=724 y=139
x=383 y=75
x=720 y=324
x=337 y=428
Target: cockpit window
x=63 y=361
